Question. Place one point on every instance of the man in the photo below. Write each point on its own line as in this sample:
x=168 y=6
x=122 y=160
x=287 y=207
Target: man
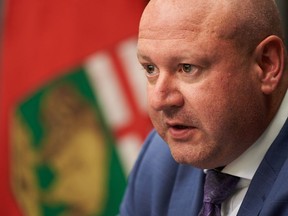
x=217 y=82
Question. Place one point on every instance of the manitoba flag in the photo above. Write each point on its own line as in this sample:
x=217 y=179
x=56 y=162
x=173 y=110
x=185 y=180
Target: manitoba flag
x=72 y=106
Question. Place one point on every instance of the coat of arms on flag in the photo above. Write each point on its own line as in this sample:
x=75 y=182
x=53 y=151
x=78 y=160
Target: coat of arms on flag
x=66 y=148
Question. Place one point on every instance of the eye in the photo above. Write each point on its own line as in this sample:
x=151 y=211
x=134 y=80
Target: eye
x=150 y=70
x=187 y=68
x=189 y=71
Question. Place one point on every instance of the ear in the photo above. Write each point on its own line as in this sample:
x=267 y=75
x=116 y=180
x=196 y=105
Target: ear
x=270 y=59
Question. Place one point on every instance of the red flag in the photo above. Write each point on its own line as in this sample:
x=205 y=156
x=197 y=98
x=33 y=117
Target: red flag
x=48 y=44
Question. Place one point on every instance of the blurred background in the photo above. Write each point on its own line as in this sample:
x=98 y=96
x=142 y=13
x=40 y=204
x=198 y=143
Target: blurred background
x=72 y=105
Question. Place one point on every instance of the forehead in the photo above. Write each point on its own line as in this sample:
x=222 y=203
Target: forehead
x=180 y=18
x=187 y=31
x=175 y=47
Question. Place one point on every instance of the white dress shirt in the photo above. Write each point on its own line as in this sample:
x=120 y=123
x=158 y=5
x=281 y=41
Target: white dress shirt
x=246 y=164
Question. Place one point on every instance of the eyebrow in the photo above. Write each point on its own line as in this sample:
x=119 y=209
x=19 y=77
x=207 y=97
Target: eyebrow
x=143 y=57
x=174 y=58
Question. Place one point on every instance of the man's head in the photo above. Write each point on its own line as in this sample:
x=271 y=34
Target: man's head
x=215 y=75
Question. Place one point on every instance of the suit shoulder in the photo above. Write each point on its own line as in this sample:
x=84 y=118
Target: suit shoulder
x=157 y=183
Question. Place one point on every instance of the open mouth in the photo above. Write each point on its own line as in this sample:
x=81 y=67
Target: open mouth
x=180 y=132
x=180 y=127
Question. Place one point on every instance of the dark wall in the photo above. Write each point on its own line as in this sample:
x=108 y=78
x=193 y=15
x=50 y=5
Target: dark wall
x=283 y=7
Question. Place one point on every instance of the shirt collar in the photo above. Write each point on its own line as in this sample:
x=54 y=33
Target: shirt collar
x=246 y=164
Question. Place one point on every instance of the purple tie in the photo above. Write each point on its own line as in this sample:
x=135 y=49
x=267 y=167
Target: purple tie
x=217 y=188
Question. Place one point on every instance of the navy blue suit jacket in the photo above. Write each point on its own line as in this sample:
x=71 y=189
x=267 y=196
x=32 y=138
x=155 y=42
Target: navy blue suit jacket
x=158 y=186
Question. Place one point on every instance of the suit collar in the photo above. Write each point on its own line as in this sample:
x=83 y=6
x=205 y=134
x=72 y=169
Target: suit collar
x=245 y=165
x=266 y=175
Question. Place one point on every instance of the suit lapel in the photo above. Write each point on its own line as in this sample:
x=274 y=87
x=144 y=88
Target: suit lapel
x=187 y=193
x=265 y=175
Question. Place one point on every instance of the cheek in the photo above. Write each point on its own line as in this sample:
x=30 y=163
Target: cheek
x=205 y=96
x=213 y=103
x=225 y=105
x=151 y=111
x=149 y=100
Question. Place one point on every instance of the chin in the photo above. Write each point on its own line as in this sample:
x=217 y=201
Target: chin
x=196 y=159
x=182 y=157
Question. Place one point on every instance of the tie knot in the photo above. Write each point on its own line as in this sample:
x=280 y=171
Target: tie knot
x=218 y=186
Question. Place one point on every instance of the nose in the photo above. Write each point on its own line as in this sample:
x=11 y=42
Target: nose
x=165 y=93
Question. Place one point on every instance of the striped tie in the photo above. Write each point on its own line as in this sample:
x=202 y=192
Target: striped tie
x=217 y=188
